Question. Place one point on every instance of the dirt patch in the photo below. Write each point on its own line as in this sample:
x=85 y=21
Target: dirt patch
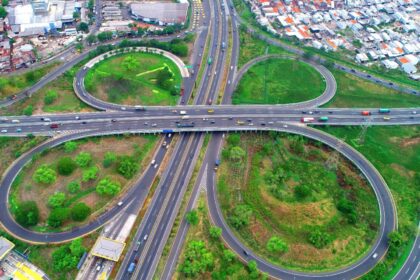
x=410 y=142
x=310 y=213
x=259 y=231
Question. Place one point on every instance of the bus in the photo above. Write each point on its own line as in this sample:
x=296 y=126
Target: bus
x=384 y=110
x=306 y=120
x=209 y=61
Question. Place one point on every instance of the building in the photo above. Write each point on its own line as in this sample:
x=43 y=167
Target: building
x=160 y=13
x=108 y=249
x=5 y=247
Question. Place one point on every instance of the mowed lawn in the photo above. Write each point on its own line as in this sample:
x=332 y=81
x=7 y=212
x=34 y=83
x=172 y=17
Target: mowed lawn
x=265 y=183
x=109 y=80
x=279 y=81
x=356 y=92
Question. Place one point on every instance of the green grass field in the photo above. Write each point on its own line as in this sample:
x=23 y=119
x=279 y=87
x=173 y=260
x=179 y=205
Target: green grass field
x=287 y=81
x=356 y=92
x=266 y=182
x=111 y=81
x=15 y=83
x=395 y=152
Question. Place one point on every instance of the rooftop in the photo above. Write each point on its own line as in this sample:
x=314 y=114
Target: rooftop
x=108 y=249
x=5 y=247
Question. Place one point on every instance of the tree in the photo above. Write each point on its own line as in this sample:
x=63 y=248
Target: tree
x=277 y=245
x=70 y=146
x=73 y=187
x=192 y=217
x=253 y=269
x=90 y=174
x=28 y=110
x=50 y=97
x=5 y=3
x=56 y=200
x=79 y=47
x=108 y=187
x=83 y=159
x=109 y=159
x=127 y=166
x=105 y=36
x=348 y=209
x=163 y=76
x=302 y=191
x=91 y=39
x=80 y=212
x=215 y=232
x=27 y=213
x=180 y=49
x=3 y=12
x=228 y=255
x=130 y=63
x=241 y=215
x=44 y=175
x=83 y=26
x=66 y=257
x=319 y=238
x=234 y=139
x=57 y=217
x=395 y=241
x=197 y=259
x=66 y=166
x=236 y=154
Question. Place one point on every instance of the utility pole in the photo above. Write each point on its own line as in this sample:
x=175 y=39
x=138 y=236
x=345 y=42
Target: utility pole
x=362 y=135
x=334 y=158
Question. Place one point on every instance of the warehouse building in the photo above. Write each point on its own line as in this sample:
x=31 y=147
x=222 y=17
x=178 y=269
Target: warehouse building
x=160 y=13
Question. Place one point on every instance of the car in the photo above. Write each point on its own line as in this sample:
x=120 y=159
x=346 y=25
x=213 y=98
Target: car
x=303 y=112
x=164 y=143
x=263 y=123
x=14 y=96
x=42 y=118
x=369 y=76
x=209 y=101
x=84 y=122
x=18 y=129
x=174 y=111
x=330 y=112
x=145 y=237
x=113 y=120
x=169 y=135
x=285 y=126
x=230 y=118
x=414 y=112
x=310 y=112
x=245 y=253
x=99 y=267
x=270 y=122
x=212 y=121
x=120 y=203
x=352 y=70
x=77 y=117
x=154 y=125
x=123 y=108
x=391 y=84
x=146 y=123
x=249 y=120
x=153 y=162
x=375 y=255
x=4 y=131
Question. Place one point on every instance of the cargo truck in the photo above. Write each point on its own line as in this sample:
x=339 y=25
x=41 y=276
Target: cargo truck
x=139 y=108
x=307 y=120
x=366 y=113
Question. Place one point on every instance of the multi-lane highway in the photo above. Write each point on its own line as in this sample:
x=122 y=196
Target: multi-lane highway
x=189 y=121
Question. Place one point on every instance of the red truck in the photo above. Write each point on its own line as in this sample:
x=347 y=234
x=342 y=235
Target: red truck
x=306 y=120
x=366 y=113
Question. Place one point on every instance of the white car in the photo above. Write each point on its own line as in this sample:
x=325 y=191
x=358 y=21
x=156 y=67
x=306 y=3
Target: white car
x=375 y=255
x=120 y=203
x=4 y=131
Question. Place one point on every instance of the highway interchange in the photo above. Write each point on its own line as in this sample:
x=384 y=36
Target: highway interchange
x=202 y=117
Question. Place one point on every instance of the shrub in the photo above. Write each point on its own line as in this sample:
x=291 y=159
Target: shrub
x=70 y=146
x=27 y=213
x=277 y=245
x=28 y=110
x=80 y=212
x=73 y=187
x=66 y=166
x=192 y=217
x=83 y=159
x=108 y=187
x=44 y=175
x=56 y=200
x=109 y=159
x=319 y=238
x=127 y=167
x=57 y=217
x=198 y=259
x=215 y=232
x=90 y=174
x=50 y=97
x=302 y=191
x=241 y=215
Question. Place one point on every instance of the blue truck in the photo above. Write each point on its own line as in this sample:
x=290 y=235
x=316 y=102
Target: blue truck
x=167 y=131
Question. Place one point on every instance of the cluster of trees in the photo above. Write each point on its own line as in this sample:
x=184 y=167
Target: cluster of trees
x=127 y=166
x=79 y=212
x=130 y=63
x=28 y=110
x=66 y=257
x=44 y=175
x=165 y=81
x=108 y=187
x=192 y=217
x=198 y=259
x=27 y=213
